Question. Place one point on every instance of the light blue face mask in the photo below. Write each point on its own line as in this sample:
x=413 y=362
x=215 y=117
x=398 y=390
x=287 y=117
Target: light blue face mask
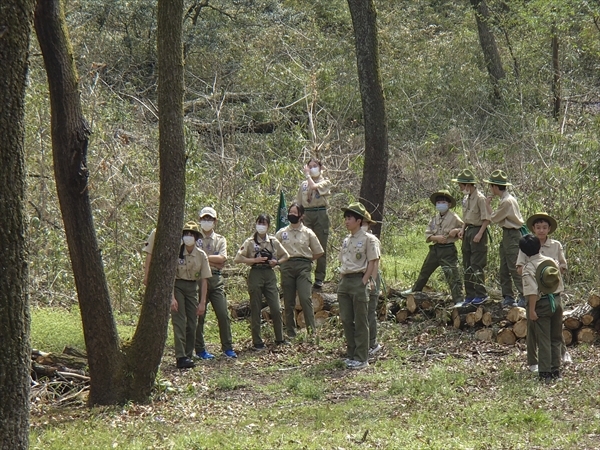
x=441 y=207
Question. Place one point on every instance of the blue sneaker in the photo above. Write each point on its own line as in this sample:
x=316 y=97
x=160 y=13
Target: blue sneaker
x=468 y=300
x=522 y=302
x=478 y=301
x=508 y=302
x=230 y=354
x=205 y=355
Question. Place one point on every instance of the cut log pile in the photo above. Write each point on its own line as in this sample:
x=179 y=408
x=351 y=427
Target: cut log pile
x=581 y=325
x=60 y=377
x=324 y=306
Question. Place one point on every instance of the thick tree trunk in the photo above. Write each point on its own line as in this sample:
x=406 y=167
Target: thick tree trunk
x=144 y=355
x=15 y=31
x=69 y=143
x=491 y=56
x=375 y=170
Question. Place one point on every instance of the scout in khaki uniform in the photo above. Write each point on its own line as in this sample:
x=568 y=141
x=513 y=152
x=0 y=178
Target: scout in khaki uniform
x=374 y=290
x=476 y=218
x=442 y=233
x=358 y=256
x=262 y=252
x=541 y=280
x=508 y=217
x=215 y=247
x=542 y=224
x=312 y=196
x=192 y=268
x=303 y=247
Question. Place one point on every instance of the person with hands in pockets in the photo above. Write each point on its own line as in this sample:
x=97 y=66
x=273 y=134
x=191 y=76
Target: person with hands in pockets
x=262 y=252
x=358 y=256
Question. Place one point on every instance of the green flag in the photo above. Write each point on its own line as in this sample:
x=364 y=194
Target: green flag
x=282 y=212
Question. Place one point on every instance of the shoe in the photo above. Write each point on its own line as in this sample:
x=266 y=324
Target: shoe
x=204 y=355
x=508 y=302
x=284 y=342
x=546 y=377
x=468 y=300
x=357 y=365
x=230 y=353
x=185 y=363
x=406 y=292
x=258 y=347
x=533 y=368
x=478 y=301
x=318 y=284
x=347 y=361
x=566 y=359
x=374 y=350
x=522 y=303
x=556 y=375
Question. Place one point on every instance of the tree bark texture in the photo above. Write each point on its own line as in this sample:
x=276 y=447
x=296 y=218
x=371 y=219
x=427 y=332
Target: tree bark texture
x=146 y=350
x=15 y=31
x=70 y=134
x=491 y=55
x=375 y=169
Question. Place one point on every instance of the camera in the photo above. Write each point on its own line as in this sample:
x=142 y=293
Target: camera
x=263 y=252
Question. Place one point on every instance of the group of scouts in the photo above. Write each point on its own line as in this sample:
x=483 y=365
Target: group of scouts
x=529 y=260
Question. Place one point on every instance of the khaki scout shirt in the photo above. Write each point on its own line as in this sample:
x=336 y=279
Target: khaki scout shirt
x=310 y=198
x=442 y=225
x=551 y=249
x=474 y=209
x=149 y=245
x=530 y=286
x=193 y=266
x=299 y=242
x=508 y=214
x=250 y=248
x=213 y=244
x=357 y=250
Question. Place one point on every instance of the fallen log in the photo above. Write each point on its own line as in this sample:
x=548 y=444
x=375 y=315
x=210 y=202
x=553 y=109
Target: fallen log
x=239 y=311
x=587 y=335
x=516 y=314
x=567 y=336
x=321 y=317
x=520 y=328
x=419 y=301
x=594 y=300
x=402 y=315
x=485 y=334
x=590 y=317
x=506 y=336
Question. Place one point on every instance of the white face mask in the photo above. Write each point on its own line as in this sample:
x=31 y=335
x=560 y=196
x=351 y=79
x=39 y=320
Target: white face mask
x=189 y=240
x=365 y=228
x=442 y=207
x=261 y=229
x=207 y=225
x=315 y=171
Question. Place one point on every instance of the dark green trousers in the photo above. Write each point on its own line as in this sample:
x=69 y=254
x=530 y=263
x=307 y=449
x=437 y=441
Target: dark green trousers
x=184 y=319
x=532 y=349
x=264 y=282
x=353 y=300
x=295 y=277
x=372 y=313
x=474 y=262
x=318 y=221
x=216 y=297
x=446 y=256
x=548 y=334
x=509 y=251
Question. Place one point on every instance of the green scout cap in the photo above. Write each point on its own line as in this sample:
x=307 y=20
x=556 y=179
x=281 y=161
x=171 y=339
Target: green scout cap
x=359 y=209
x=498 y=177
x=465 y=176
x=551 y=220
x=443 y=193
x=193 y=227
x=547 y=276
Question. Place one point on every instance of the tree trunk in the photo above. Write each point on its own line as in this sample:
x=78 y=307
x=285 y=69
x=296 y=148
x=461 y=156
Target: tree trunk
x=148 y=342
x=491 y=56
x=15 y=32
x=556 y=95
x=69 y=143
x=375 y=169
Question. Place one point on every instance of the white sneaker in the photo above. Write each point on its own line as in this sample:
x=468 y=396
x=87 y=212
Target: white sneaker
x=533 y=368
x=566 y=359
x=357 y=365
x=374 y=350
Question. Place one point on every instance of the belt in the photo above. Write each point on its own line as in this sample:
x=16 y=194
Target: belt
x=353 y=275
x=451 y=244
x=320 y=208
x=188 y=281
x=300 y=258
x=260 y=266
x=508 y=229
x=216 y=271
x=472 y=226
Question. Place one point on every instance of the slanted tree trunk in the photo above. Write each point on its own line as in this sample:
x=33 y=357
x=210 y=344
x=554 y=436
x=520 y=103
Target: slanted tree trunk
x=375 y=169
x=491 y=55
x=15 y=32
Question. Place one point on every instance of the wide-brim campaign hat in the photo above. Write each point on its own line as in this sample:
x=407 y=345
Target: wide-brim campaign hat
x=547 y=276
x=551 y=220
x=359 y=209
x=466 y=176
x=443 y=193
x=193 y=227
x=499 y=178
x=207 y=211
x=369 y=219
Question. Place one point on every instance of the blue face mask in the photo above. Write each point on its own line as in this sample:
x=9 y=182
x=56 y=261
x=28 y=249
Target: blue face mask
x=441 y=207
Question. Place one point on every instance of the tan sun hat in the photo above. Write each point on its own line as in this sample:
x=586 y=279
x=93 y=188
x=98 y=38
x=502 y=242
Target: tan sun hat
x=443 y=193
x=207 y=211
x=542 y=215
x=499 y=178
x=547 y=276
x=193 y=227
x=465 y=176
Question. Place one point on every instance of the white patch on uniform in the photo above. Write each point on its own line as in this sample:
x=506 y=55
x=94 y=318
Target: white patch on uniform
x=359 y=244
x=182 y=262
x=284 y=236
x=345 y=243
x=256 y=247
x=199 y=243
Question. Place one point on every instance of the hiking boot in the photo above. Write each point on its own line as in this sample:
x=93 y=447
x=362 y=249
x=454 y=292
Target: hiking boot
x=284 y=342
x=556 y=375
x=185 y=363
x=546 y=377
x=357 y=365
x=230 y=353
x=258 y=347
x=204 y=355
x=374 y=350
x=508 y=302
x=318 y=284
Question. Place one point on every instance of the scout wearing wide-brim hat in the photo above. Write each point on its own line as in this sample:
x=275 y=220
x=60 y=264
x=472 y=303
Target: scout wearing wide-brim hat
x=466 y=176
x=358 y=208
x=193 y=227
x=443 y=193
x=547 y=276
x=551 y=220
x=498 y=177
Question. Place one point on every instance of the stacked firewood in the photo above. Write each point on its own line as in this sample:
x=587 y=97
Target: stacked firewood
x=581 y=324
